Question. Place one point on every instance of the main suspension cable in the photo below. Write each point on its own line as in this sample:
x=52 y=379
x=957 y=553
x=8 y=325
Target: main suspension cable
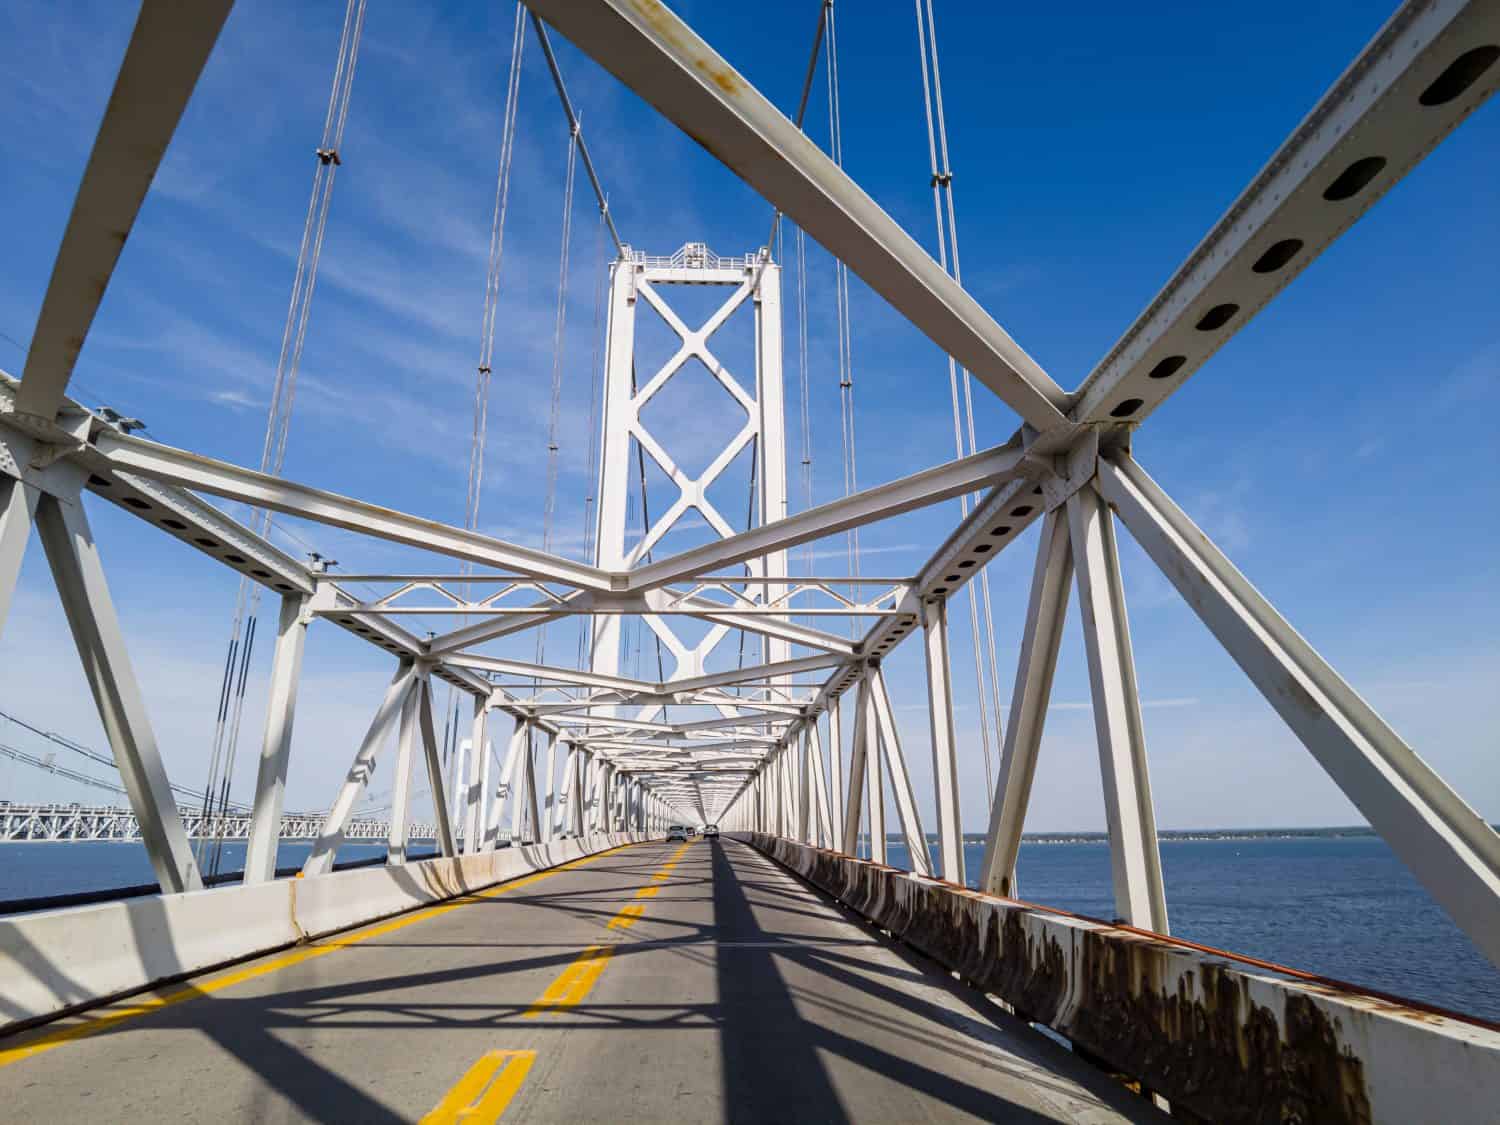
x=825 y=8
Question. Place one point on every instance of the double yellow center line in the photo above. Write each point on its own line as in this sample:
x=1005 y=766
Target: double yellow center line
x=110 y=1015
x=573 y=984
x=486 y=1088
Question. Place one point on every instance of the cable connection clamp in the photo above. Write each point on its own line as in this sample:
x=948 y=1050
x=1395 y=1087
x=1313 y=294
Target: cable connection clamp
x=329 y=156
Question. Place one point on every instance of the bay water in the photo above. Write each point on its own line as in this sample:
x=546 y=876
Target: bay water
x=1343 y=907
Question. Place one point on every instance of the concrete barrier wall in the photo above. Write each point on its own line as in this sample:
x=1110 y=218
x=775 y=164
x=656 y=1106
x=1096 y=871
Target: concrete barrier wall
x=1221 y=1039
x=56 y=961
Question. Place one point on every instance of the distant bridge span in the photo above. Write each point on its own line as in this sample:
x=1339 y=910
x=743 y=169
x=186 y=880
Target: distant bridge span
x=104 y=822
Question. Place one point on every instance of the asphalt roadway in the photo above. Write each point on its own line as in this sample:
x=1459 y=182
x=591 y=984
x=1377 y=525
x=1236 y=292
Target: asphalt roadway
x=656 y=983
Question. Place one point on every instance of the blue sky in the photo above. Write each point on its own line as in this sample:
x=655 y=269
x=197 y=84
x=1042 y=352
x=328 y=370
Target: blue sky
x=1340 y=448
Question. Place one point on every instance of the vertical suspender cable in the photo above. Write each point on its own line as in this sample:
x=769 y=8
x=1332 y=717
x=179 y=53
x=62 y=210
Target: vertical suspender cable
x=596 y=391
x=278 y=421
x=841 y=293
x=963 y=410
x=559 y=326
x=480 y=433
x=802 y=381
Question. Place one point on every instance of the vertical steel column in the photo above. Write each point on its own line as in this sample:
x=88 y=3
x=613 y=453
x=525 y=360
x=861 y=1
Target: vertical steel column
x=613 y=488
x=406 y=748
x=446 y=845
x=801 y=773
x=524 y=820
x=578 y=771
x=564 y=804
x=944 y=748
x=320 y=860
x=17 y=513
x=771 y=421
x=858 y=759
x=599 y=821
x=789 y=797
x=1448 y=846
x=549 y=808
x=874 y=774
x=478 y=793
x=824 y=826
x=1140 y=897
x=835 y=767
x=457 y=806
x=901 y=787
x=79 y=575
x=276 y=747
x=507 y=786
x=1046 y=611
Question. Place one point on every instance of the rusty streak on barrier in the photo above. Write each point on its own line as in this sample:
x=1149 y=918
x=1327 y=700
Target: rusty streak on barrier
x=1219 y=1042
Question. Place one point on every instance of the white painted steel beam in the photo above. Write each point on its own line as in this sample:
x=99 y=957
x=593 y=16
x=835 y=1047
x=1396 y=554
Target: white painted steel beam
x=824 y=835
x=752 y=673
x=547 y=828
x=858 y=762
x=407 y=735
x=81 y=586
x=550 y=672
x=767 y=626
x=944 y=744
x=1135 y=855
x=168 y=49
x=492 y=629
x=477 y=789
x=1399 y=98
x=1445 y=843
x=657 y=55
x=205 y=474
x=507 y=784
x=446 y=845
x=874 y=774
x=17 y=514
x=895 y=760
x=276 y=746
x=1046 y=611
x=320 y=859
x=931 y=486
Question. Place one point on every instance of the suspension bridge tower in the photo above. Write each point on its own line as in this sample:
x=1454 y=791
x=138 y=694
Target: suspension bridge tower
x=626 y=441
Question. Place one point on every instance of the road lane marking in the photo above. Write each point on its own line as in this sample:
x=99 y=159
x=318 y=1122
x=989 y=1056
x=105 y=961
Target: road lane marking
x=481 y=1095
x=114 y=1014
x=627 y=916
x=574 y=982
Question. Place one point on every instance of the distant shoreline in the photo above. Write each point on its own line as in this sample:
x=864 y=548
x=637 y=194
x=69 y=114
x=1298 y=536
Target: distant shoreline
x=1167 y=835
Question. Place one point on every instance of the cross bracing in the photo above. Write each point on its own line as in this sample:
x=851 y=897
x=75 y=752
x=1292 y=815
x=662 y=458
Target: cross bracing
x=751 y=751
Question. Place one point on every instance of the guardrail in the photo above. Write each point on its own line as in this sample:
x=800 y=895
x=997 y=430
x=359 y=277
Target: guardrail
x=59 y=961
x=1221 y=1037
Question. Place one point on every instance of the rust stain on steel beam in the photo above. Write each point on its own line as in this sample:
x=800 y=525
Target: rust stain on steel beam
x=1197 y=1036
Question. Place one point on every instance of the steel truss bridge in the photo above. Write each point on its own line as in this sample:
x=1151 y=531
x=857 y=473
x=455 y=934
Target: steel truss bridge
x=84 y=822
x=759 y=748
